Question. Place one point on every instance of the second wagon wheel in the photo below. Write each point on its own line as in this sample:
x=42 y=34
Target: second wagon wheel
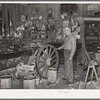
x=47 y=57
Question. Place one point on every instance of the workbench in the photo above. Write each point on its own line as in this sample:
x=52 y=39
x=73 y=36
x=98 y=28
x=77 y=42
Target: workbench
x=6 y=59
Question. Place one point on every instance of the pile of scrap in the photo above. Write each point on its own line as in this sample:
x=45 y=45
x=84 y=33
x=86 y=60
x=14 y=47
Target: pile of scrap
x=90 y=85
x=10 y=71
x=24 y=69
x=21 y=67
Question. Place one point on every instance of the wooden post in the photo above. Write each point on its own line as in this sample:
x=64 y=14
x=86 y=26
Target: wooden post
x=82 y=33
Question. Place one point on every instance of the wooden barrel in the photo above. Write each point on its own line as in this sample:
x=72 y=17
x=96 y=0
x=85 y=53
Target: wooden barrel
x=29 y=82
x=52 y=75
x=5 y=82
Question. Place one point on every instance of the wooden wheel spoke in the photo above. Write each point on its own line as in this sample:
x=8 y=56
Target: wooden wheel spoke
x=52 y=53
x=47 y=50
x=54 y=61
x=53 y=57
x=40 y=61
x=42 y=65
x=44 y=53
x=43 y=69
x=42 y=57
x=53 y=65
x=46 y=71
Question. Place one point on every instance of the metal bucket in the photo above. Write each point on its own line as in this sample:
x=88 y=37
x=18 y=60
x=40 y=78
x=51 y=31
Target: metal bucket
x=52 y=75
x=29 y=82
x=5 y=82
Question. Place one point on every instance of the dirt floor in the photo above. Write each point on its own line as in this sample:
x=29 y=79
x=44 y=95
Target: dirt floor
x=79 y=75
x=79 y=78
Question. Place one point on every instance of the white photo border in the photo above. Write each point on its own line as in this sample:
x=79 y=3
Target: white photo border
x=49 y=94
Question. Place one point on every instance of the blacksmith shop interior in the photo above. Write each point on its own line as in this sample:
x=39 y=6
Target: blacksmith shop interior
x=49 y=46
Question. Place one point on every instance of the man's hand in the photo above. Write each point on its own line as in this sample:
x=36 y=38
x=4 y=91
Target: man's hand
x=70 y=58
x=59 y=48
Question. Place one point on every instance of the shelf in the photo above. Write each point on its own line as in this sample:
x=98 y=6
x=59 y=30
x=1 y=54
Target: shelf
x=91 y=19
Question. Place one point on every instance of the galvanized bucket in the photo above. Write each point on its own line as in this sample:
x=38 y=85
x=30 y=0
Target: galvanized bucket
x=52 y=75
x=5 y=82
x=29 y=82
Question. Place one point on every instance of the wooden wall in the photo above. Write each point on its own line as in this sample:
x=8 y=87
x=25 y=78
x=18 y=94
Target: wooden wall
x=13 y=11
x=0 y=19
x=16 y=10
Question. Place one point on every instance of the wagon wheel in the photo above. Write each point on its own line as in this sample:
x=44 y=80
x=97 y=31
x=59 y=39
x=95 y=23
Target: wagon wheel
x=47 y=57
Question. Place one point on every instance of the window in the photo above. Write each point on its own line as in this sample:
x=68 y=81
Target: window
x=68 y=8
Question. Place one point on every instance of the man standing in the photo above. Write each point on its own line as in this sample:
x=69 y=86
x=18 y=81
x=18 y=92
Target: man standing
x=69 y=47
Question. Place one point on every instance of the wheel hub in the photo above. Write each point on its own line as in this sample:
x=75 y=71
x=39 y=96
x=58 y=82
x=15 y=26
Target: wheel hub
x=48 y=61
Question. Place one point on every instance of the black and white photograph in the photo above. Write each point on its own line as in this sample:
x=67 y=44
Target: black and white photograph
x=50 y=46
